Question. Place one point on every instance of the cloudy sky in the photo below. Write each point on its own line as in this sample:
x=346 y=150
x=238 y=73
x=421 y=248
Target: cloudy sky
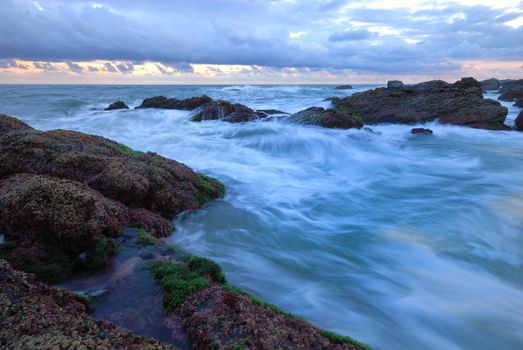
x=258 y=41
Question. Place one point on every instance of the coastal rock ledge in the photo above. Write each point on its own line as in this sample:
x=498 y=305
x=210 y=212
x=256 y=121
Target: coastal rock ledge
x=461 y=103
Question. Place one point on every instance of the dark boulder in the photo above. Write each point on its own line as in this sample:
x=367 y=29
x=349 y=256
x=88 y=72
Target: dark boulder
x=8 y=124
x=187 y=104
x=48 y=223
x=395 y=84
x=116 y=105
x=511 y=90
x=490 y=84
x=137 y=179
x=421 y=131
x=461 y=103
x=327 y=118
x=519 y=102
x=518 y=123
x=343 y=87
x=226 y=111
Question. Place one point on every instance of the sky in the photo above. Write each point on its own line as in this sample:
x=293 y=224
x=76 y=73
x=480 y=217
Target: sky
x=258 y=41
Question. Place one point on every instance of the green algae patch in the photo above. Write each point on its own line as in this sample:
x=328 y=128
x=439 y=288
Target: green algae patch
x=125 y=150
x=144 y=238
x=343 y=339
x=179 y=279
x=99 y=252
x=208 y=189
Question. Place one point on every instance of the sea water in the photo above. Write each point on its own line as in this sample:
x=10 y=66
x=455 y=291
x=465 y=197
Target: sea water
x=400 y=241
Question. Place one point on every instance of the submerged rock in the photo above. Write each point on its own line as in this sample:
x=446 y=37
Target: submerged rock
x=35 y=316
x=421 y=131
x=116 y=105
x=187 y=104
x=226 y=111
x=518 y=123
x=461 y=103
x=343 y=87
x=327 y=118
x=490 y=84
x=270 y=111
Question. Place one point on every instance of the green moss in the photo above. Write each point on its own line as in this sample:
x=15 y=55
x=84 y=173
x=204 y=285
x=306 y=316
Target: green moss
x=178 y=280
x=101 y=249
x=208 y=189
x=342 y=339
x=125 y=150
x=197 y=117
x=144 y=238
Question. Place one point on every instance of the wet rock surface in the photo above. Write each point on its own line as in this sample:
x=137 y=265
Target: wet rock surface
x=65 y=196
x=35 y=316
x=343 y=87
x=226 y=111
x=511 y=90
x=518 y=123
x=8 y=124
x=490 y=84
x=116 y=105
x=461 y=103
x=421 y=131
x=187 y=104
x=327 y=118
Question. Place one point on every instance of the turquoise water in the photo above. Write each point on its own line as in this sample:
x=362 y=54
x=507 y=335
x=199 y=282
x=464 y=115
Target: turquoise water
x=399 y=241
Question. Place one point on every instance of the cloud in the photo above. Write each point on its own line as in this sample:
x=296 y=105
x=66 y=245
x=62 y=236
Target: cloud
x=11 y=64
x=410 y=38
x=46 y=66
x=74 y=67
x=354 y=34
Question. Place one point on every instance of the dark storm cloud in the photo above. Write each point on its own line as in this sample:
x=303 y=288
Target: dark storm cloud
x=256 y=33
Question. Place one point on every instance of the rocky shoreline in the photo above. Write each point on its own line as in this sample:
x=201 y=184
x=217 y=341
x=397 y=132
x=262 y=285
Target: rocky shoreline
x=65 y=200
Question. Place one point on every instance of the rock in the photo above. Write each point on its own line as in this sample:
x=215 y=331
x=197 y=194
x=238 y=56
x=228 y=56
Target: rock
x=187 y=104
x=226 y=111
x=343 y=87
x=8 y=124
x=116 y=105
x=49 y=222
x=461 y=103
x=421 y=131
x=519 y=102
x=270 y=111
x=35 y=316
x=137 y=179
x=511 y=90
x=490 y=84
x=213 y=315
x=327 y=118
x=395 y=84
x=518 y=123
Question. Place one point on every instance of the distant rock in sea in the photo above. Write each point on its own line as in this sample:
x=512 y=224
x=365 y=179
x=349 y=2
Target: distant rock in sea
x=421 y=131
x=511 y=90
x=343 y=87
x=490 y=84
x=116 y=105
x=226 y=111
x=187 y=104
x=327 y=118
x=461 y=103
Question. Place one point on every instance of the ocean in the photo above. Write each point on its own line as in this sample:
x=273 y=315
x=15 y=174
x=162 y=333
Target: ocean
x=397 y=240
